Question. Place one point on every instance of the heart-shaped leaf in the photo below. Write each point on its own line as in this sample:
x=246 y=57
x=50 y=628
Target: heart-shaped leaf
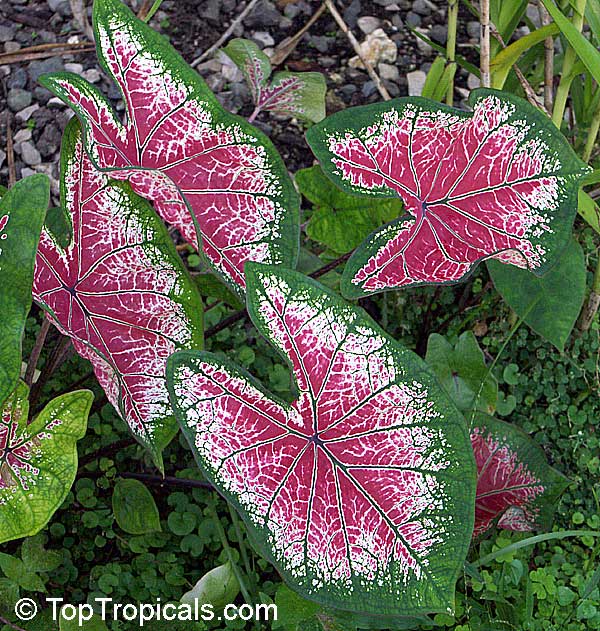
x=500 y=182
x=516 y=488
x=38 y=462
x=300 y=94
x=120 y=291
x=22 y=212
x=550 y=304
x=360 y=492
x=202 y=167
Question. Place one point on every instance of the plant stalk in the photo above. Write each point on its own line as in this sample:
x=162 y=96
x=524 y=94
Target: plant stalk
x=451 y=44
x=153 y=9
x=593 y=302
x=484 y=46
x=548 y=59
x=592 y=135
x=569 y=60
x=36 y=352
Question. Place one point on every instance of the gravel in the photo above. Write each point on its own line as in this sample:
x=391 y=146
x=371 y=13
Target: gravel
x=18 y=99
x=29 y=153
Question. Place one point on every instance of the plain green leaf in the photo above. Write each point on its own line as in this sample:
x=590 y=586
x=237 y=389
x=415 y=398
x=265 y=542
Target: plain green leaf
x=134 y=508
x=15 y=570
x=217 y=587
x=551 y=303
x=95 y=623
x=292 y=608
x=36 y=557
x=461 y=370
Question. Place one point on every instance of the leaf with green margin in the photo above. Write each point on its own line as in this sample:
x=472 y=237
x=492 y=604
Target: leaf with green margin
x=38 y=461
x=217 y=587
x=548 y=304
x=58 y=225
x=341 y=221
x=585 y=50
x=372 y=445
x=210 y=286
x=292 y=608
x=300 y=94
x=461 y=370
x=134 y=508
x=516 y=488
x=22 y=212
x=498 y=182
x=210 y=174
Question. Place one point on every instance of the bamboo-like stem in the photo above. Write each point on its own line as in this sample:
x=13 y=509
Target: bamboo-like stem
x=590 y=141
x=451 y=44
x=566 y=75
x=484 y=46
x=548 y=59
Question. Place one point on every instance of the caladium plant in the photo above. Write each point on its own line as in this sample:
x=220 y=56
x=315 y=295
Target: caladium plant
x=22 y=212
x=210 y=174
x=38 y=461
x=361 y=491
x=500 y=182
x=299 y=94
x=516 y=488
x=120 y=291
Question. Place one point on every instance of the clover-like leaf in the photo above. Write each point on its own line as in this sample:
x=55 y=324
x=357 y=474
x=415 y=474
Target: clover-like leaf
x=120 y=291
x=22 y=212
x=360 y=492
x=500 y=182
x=205 y=170
x=300 y=94
x=38 y=461
x=516 y=488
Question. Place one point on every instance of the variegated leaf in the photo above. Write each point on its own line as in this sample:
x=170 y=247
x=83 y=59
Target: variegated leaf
x=516 y=488
x=38 y=461
x=360 y=492
x=210 y=174
x=500 y=182
x=22 y=212
x=120 y=291
x=299 y=94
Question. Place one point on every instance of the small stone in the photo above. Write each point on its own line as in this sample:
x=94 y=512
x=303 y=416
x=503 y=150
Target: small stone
x=397 y=21
x=473 y=29
x=18 y=99
x=6 y=33
x=473 y=81
x=40 y=67
x=11 y=47
x=367 y=24
x=534 y=15
x=91 y=75
x=2 y=157
x=230 y=71
x=291 y=10
x=263 y=38
x=49 y=142
x=348 y=90
x=413 y=19
x=351 y=13
x=438 y=33
x=25 y=114
x=376 y=47
x=368 y=88
x=263 y=15
x=54 y=4
x=74 y=68
x=26 y=172
x=422 y=45
x=29 y=154
x=421 y=7
x=23 y=135
x=211 y=11
x=321 y=42
x=388 y=72
x=17 y=78
x=416 y=81
x=384 y=3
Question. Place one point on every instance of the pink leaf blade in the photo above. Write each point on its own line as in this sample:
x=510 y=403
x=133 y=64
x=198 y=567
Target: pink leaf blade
x=184 y=152
x=516 y=488
x=376 y=455
x=500 y=182
x=120 y=291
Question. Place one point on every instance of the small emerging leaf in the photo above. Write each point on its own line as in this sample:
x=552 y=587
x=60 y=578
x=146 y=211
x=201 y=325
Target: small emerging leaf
x=22 y=211
x=516 y=488
x=550 y=304
x=348 y=489
x=134 y=508
x=120 y=291
x=299 y=94
x=217 y=587
x=462 y=371
x=500 y=182
x=38 y=462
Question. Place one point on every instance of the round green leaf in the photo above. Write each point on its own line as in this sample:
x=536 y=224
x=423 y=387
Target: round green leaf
x=134 y=508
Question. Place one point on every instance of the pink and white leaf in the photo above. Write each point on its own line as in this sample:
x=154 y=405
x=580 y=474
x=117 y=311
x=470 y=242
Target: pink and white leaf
x=360 y=491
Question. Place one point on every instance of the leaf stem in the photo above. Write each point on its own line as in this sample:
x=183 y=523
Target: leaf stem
x=592 y=135
x=254 y=114
x=484 y=47
x=243 y=551
x=566 y=75
x=227 y=548
x=451 y=44
x=593 y=302
x=153 y=9
x=36 y=351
